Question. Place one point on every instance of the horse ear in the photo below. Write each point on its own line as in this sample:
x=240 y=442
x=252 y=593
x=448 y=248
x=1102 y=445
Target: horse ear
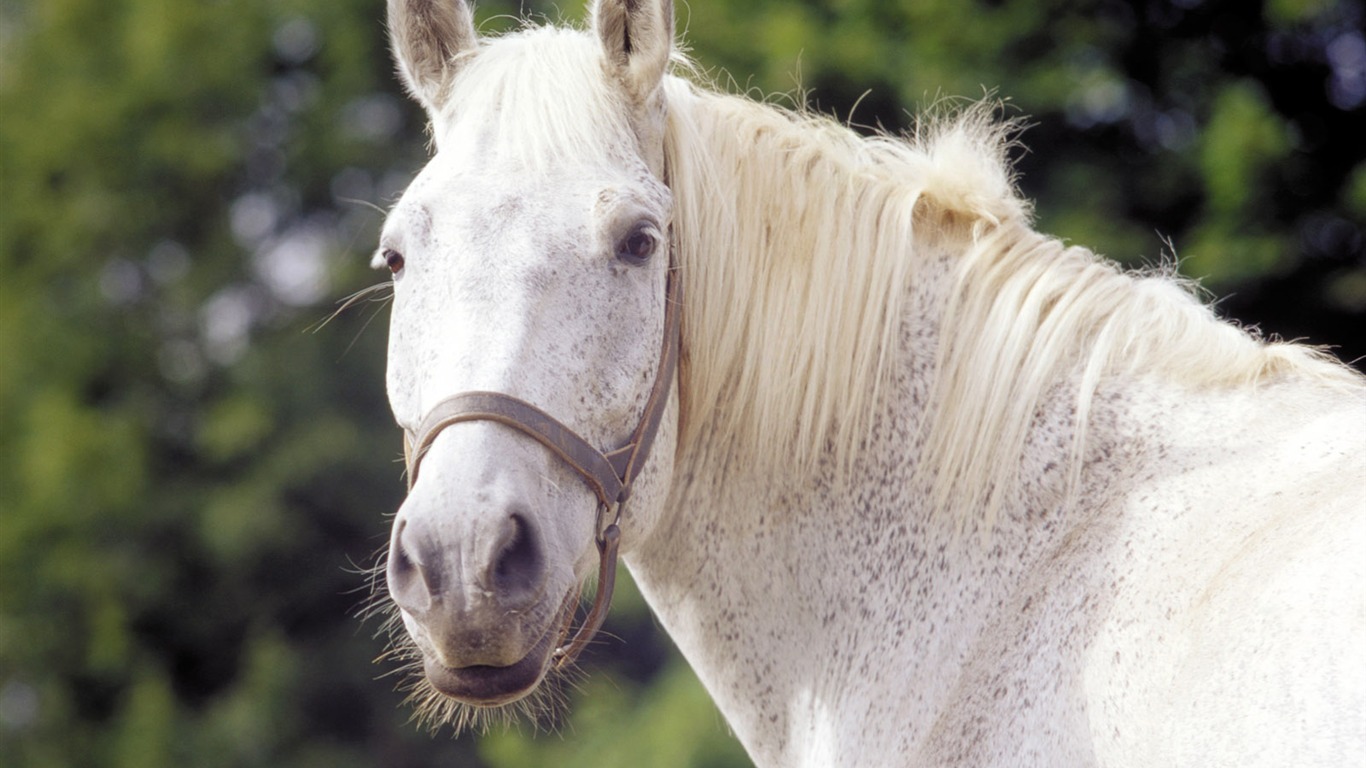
x=637 y=37
x=428 y=38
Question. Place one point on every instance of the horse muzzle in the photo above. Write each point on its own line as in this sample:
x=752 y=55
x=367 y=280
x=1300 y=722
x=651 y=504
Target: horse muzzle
x=477 y=591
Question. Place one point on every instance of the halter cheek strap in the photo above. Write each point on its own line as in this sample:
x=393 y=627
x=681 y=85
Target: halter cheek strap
x=608 y=474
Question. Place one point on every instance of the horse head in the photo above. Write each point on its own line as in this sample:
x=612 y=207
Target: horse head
x=530 y=261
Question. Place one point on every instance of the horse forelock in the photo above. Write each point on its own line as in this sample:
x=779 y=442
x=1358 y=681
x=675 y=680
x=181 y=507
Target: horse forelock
x=541 y=93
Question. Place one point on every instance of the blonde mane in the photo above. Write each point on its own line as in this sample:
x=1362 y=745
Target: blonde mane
x=797 y=238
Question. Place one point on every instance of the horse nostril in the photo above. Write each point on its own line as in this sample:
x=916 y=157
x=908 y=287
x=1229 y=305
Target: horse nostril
x=411 y=585
x=518 y=570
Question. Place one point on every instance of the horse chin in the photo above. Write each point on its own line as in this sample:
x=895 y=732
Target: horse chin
x=494 y=686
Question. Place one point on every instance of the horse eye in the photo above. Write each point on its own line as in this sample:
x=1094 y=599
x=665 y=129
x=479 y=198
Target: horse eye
x=638 y=245
x=393 y=260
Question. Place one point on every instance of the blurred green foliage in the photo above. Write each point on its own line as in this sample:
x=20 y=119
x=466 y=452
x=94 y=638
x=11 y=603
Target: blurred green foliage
x=195 y=474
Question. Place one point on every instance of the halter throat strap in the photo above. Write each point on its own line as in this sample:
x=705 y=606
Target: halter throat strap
x=609 y=474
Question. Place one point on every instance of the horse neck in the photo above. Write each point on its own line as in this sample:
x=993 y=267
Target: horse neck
x=831 y=614
x=809 y=606
x=783 y=590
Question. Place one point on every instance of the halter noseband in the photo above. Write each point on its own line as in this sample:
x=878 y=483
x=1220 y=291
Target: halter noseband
x=608 y=474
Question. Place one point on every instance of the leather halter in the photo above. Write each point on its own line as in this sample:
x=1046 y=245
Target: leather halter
x=609 y=474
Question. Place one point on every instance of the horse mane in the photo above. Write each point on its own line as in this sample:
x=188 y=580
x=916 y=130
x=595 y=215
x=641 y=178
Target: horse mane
x=795 y=238
x=797 y=241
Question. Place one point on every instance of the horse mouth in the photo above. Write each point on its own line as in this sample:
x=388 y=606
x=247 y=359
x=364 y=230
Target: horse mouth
x=486 y=686
x=483 y=685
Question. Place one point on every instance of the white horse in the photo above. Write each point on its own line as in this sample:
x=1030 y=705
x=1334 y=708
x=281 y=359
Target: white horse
x=922 y=487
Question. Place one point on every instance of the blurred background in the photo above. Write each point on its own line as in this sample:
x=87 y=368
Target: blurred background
x=196 y=472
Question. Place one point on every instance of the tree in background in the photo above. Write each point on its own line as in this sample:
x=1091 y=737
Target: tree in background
x=191 y=479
